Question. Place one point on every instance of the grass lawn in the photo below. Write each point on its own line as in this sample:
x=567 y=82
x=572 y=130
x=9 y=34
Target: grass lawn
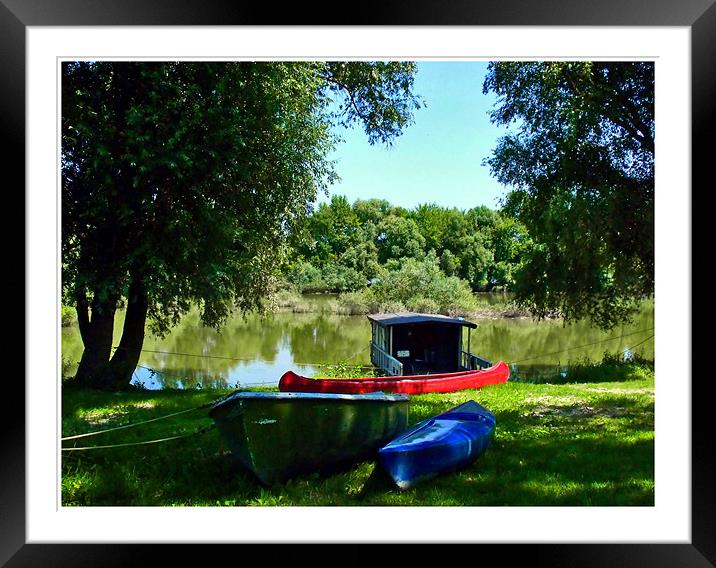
x=565 y=445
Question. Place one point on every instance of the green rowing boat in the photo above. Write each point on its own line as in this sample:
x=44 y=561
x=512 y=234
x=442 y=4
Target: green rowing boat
x=277 y=435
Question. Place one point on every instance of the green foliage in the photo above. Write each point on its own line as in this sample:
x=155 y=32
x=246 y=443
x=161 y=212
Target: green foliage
x=291 y=300
x=371 y=210
x=362 y=302
x=449 y=262
x=333 y=229
x=480 y=246
x=612 y=368
x=363 y=257
x=580 y=161
x=476 y=260
x=181 y=181
x=399 y=237
x=346 y=370
x=417 y=285
x=436 y=223
x=192 y=173
x=422 y=304
x=333 y=277
x=305 y=277
x=163 y=175
x=66 y=369
x=68 y=315
x=339 y=278
x=377 y=94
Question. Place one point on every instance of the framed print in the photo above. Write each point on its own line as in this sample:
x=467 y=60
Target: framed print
x=38 y=36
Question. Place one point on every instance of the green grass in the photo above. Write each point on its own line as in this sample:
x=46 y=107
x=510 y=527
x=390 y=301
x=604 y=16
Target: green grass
x=562 y=445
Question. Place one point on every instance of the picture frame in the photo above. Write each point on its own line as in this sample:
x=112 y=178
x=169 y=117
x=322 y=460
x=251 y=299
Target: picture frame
x=699 y=15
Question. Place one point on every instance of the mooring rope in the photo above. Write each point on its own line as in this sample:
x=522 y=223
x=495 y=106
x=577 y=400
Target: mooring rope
x=226 y=358
x=588 y=345
x=96 y=432
x=373 y=366
x=213 y=402
x=133 y=424
x=644 y=341
x=127 y=444
x=178 y=378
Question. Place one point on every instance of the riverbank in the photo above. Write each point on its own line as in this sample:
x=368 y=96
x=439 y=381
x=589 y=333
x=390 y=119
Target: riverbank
x=566 y=445
x=254 y=349
x=484 y=306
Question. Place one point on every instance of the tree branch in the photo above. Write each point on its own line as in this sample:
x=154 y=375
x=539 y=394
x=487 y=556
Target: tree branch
x=332 y=79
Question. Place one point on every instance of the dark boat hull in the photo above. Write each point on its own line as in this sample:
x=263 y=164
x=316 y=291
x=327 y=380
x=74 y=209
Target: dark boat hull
x=415 y=384
x=444 y=443
x=279 y=435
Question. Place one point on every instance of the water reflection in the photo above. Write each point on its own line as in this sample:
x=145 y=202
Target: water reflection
x=247 y=351
x=258 y=350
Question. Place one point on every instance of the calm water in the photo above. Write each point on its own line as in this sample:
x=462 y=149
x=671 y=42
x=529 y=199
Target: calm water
x=259 y=350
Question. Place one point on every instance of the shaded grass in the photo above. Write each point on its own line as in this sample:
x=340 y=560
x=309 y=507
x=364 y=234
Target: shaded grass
x=565 y=445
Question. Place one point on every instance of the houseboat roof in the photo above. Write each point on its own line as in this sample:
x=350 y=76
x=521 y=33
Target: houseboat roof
x=411 y=317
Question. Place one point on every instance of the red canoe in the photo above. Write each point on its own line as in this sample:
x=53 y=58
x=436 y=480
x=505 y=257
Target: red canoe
x=413 y=384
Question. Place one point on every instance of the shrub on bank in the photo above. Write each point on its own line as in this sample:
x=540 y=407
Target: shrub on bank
x=365 y=302
x=416 y=285
x=423 y=305
x=291 y=300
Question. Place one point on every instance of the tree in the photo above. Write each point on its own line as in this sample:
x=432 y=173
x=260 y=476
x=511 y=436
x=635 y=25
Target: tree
x=181 y=182
x=449 y=263
x=510 y=243
x=579 y=159
x=331 y=230
x=398 y=237
x=435 y=222
x=371 y=210
x=476 y=259
x=363 y=257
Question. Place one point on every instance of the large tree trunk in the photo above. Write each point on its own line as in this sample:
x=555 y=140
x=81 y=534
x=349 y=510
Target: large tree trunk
x=96 y=332
x=126 y=357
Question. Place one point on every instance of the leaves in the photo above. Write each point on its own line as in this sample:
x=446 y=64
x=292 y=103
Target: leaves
x=579 y=159
x=193 y=174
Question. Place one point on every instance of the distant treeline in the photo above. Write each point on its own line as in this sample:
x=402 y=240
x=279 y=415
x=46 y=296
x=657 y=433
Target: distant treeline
x=345 y=247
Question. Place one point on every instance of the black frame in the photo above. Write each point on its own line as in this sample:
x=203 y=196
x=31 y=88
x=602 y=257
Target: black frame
x=699 y=15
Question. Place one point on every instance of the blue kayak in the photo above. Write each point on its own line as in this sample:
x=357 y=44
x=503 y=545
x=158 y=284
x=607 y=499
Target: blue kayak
x=443 y=443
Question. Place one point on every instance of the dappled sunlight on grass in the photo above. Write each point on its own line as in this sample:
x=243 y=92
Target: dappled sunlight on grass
x=113 y=415
x=568 y=445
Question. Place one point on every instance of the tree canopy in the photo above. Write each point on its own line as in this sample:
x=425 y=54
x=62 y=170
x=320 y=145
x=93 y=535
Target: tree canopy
x=579 y=160
x=182 y=180
x=342 y=247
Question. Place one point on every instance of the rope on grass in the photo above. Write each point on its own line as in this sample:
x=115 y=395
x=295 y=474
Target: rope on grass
x=95 y=433
x=143 y=443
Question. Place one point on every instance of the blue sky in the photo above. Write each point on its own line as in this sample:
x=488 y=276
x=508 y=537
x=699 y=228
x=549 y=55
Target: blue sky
x=438 y=159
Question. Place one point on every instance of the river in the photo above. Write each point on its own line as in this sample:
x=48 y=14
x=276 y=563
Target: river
x=258 y=350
